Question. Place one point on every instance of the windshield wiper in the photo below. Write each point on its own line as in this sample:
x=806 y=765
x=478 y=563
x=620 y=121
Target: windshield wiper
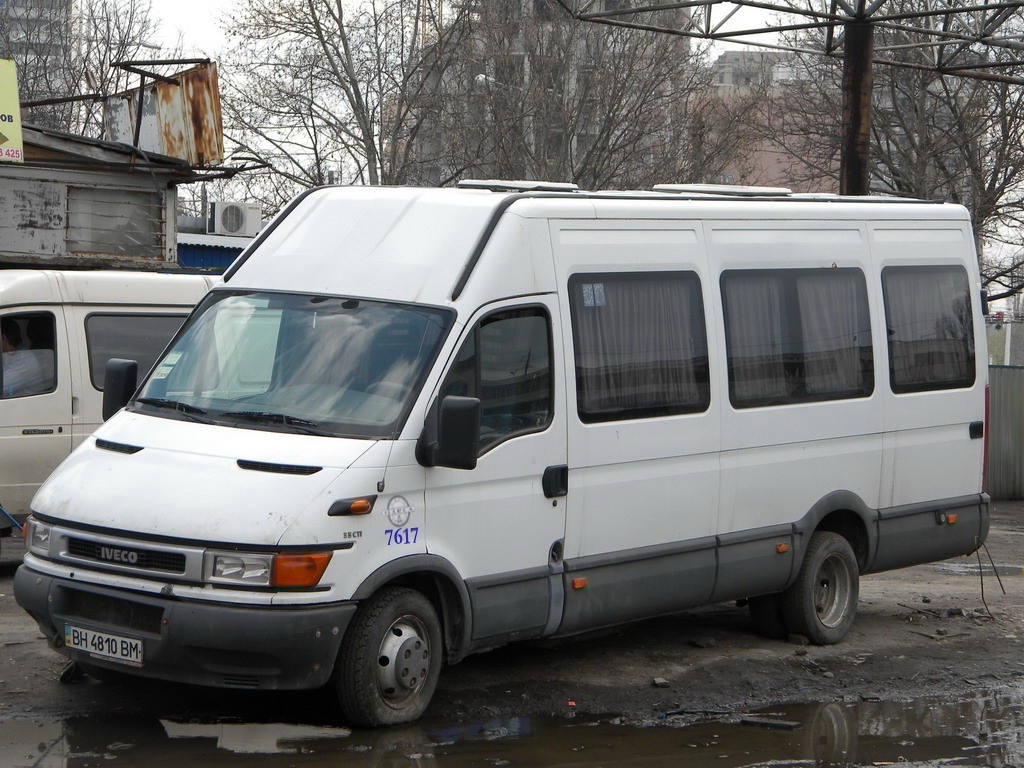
x=188 y=411
x=300 y=425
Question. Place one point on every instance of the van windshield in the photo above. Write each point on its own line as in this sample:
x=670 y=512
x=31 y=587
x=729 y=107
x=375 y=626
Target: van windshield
x=310 y=364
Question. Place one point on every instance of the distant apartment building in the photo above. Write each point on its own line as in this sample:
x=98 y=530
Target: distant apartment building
x=531 y=101
x=37 y=36
x=739 y=73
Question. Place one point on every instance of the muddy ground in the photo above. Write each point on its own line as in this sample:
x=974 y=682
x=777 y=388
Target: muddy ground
x=923 y=631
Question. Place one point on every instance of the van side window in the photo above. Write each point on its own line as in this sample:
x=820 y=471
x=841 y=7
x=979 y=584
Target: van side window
x=797 y=335
x=930 y=328
x=131 y=336
x=641 y=345
x=506 y=362
x=28 y=365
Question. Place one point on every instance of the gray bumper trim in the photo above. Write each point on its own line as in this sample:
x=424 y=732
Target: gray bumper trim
x=218 y=644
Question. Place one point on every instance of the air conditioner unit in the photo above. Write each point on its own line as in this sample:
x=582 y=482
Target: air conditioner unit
x=238 y=219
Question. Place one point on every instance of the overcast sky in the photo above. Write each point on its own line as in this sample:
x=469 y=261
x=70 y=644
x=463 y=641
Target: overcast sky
x=197 y=21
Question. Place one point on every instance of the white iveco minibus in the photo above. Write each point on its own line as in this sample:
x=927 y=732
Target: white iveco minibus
x=412 y=424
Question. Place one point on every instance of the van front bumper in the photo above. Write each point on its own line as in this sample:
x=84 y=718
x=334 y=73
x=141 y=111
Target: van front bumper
x=216 y=644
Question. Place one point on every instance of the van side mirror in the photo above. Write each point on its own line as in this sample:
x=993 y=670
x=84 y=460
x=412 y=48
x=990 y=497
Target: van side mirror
x=455 y=440
x=120 y=379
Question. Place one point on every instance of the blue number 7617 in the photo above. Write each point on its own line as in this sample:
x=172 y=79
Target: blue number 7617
x=402 y=535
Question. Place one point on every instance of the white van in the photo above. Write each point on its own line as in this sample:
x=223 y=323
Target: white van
x=413 y=424
x=60 y=329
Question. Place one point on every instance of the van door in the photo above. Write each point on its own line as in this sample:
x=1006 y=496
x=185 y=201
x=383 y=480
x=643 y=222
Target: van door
x=501 y=524
x=643 y=426
x=934 y=399
x=35 y=402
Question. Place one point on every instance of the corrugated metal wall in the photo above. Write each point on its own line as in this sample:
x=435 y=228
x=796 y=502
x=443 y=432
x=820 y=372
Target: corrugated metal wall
x=1006 y=432
x=211 y=257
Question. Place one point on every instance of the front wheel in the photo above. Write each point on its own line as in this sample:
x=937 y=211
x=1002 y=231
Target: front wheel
x=822 y=602
x=390 y=659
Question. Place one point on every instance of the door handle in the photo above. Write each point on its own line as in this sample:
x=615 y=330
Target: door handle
x=555 y=481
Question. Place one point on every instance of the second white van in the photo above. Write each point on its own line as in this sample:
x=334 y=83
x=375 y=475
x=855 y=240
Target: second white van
x=60 y=328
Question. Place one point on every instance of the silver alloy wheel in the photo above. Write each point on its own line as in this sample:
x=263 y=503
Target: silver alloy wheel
x=832 y=591
x=403 y=661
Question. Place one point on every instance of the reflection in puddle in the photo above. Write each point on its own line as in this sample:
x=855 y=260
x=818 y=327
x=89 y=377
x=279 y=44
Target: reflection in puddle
x=986 y=730
x=255 y=738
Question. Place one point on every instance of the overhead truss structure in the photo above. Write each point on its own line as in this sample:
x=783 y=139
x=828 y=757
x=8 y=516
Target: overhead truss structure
x=983 y=40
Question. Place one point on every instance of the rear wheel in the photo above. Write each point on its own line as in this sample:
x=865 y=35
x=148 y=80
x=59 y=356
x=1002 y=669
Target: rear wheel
x=822 y=602
x=390 y=659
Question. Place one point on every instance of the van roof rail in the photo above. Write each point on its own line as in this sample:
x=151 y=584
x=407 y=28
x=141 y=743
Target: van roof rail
x=732 y=190
x=498 y=185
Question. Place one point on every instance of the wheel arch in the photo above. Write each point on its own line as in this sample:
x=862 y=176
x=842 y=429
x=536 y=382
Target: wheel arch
x=845 y=513
x=440 y=582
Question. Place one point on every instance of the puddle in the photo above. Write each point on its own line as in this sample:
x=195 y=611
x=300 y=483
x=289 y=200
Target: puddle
x=987 y=730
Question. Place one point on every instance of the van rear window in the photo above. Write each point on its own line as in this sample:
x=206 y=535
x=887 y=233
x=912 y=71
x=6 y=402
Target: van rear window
x=797 y=335
x=641 y=345
x=930 y=328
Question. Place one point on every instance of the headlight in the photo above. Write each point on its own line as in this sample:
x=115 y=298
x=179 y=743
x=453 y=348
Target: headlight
x=38 y=537
x=232 y=568
x=300 y=571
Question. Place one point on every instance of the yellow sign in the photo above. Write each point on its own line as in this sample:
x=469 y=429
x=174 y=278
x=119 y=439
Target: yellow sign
x=11 y=148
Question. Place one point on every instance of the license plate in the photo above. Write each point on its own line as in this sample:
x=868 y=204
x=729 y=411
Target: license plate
x=127 y=650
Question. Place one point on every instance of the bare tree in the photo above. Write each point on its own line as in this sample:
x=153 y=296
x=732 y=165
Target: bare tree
x=64 y=49
x=540 y=96
x=331 y=90
x=933 y=136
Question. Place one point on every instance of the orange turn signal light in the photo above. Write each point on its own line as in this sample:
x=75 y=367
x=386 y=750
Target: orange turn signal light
x=360 y=507
x=782 y=548
x=299 y=570
x=951 y=519
x=580 y=583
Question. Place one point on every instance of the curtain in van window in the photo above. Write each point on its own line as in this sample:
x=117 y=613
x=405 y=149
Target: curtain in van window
x=930 y=328
x=641 y=345
x=797 y=335
x=755 y=334
x=833 y=330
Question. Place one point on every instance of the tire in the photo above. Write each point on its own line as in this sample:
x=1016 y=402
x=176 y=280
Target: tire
x=390 y=659
x=766 y=613
x=822 y=603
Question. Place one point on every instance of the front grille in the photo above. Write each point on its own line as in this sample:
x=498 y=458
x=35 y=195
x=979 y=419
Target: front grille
x=113 y=611
x=131 y=557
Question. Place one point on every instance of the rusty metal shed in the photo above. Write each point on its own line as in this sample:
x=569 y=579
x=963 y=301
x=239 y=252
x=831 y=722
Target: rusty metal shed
x=178 y=115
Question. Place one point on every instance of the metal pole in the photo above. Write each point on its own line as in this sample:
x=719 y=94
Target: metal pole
x=138 y=113
x=855 y=152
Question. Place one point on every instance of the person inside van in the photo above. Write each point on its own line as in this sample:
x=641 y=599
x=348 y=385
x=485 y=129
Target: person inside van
x=21 y=373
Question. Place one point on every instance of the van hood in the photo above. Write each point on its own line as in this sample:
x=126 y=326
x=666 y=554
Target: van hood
x=194 y=481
